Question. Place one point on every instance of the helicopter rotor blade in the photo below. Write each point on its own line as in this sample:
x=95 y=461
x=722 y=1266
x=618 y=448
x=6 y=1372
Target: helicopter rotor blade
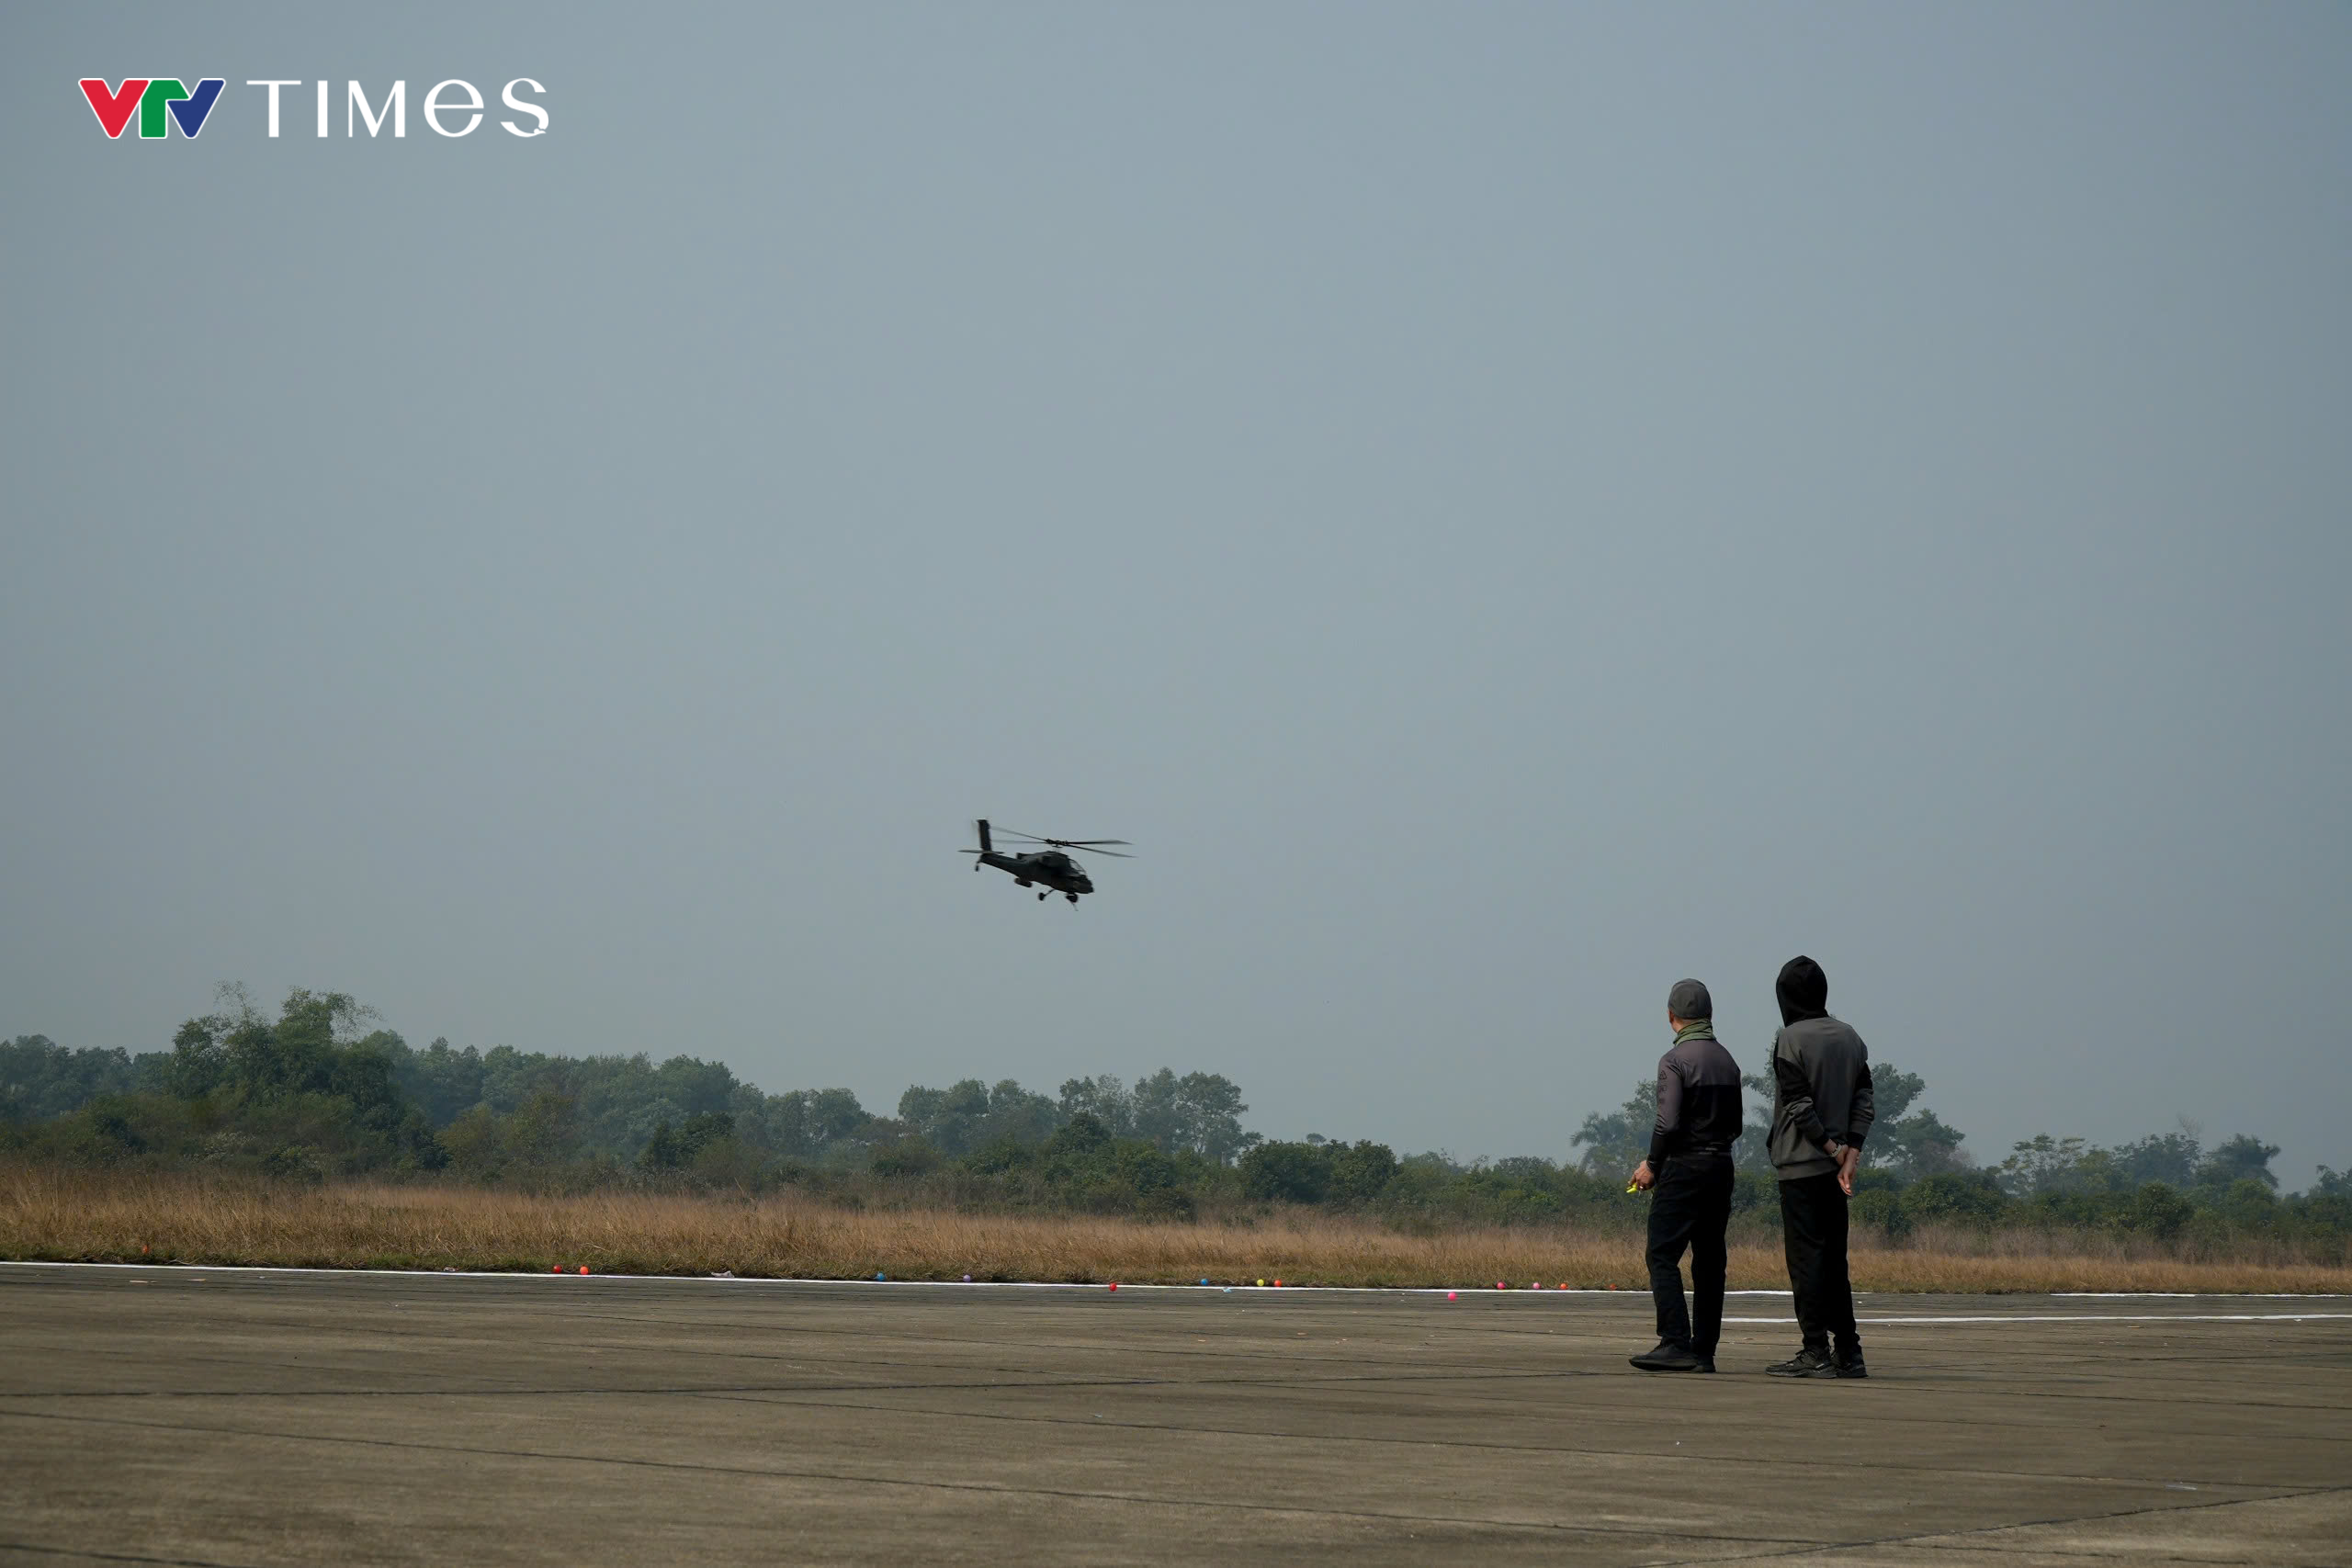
x=1092 y=846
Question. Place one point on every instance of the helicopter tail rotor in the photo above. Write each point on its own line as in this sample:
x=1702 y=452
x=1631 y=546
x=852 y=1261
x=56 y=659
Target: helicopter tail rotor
x=985 y=846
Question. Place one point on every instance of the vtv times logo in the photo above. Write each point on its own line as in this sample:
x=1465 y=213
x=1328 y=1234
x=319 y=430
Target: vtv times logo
x=151 y=97
x=161 y=102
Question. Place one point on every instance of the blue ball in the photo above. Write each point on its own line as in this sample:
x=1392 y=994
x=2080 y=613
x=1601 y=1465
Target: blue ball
x=881 y=1275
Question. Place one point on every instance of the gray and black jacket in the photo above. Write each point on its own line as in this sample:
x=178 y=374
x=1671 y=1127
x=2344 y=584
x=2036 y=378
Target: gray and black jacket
x=1821 y=1088
x=1698 y=1099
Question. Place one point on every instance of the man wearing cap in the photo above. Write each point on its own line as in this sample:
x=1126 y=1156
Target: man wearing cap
x=1688 y=1176
x=1823 y=1105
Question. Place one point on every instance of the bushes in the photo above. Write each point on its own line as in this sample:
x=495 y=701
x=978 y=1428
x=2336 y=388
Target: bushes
x=1286 y=1173
x=2158 y=1210
x=1968 y=1197
x=1350 y=1176
x=2209 y=1219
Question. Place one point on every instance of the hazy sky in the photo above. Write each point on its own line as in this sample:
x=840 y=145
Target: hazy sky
x=1506 y=505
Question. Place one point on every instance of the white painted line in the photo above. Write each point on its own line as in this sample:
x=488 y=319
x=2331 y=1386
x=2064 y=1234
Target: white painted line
x=2205 y=1296
x=191 y=1269
x=554 y=1274
x=2089 y=1318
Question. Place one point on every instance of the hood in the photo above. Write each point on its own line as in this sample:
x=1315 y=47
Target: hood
x=1803 y=990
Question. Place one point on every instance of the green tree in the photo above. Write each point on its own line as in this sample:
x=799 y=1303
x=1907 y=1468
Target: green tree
x=40 y=1078
x=443 y=1082
x=1906 y=1143
x=1212 y=1109
x=2169 y=1157
x=1617 y=1141
x=1105 y=1099
x=953 y=1120
x=2044 y=1164
x=1361 y=1172
x=675 y=1149
x=2242 y=1158
x=1290 y=1173
x=544 y=1131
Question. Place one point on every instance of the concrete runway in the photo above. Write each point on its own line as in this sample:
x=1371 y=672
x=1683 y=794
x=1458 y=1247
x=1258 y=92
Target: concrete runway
x=229 y=1416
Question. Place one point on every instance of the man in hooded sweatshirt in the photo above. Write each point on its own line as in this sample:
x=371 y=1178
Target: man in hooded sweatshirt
x=1688 y=1175
x=1822 y=1110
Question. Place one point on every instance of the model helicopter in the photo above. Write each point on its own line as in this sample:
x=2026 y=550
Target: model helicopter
x=1050 y=865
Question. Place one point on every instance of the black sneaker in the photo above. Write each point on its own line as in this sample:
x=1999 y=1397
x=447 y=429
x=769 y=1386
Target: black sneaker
x=1808 y=1363
x=1706 y=1364
x=1849 y=1365
x=1670 y=1357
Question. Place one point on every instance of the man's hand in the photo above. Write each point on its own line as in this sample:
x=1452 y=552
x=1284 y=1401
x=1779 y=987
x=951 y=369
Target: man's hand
x=1644 y=1177
x=1850 y=1160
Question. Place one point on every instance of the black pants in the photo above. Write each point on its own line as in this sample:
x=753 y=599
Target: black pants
x=1813 y=1233
x=1690 y=1207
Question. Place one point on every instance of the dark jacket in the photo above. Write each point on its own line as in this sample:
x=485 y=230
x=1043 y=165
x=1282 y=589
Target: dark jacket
x=1821 y=1085
x=1698 y=1101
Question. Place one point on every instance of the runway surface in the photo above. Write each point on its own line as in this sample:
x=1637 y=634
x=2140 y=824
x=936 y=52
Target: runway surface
x=230 y=1416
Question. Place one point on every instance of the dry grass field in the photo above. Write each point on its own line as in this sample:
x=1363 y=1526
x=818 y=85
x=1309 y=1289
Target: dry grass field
x=49 y=1213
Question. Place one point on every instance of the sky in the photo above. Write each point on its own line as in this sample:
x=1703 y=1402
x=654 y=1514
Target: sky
x=1505 y=505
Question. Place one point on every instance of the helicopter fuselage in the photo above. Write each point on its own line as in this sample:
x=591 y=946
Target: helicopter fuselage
x=1049 y=867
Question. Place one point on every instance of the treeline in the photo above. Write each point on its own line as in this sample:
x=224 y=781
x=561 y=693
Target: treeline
x=319 y=1092
x=316 y=1092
